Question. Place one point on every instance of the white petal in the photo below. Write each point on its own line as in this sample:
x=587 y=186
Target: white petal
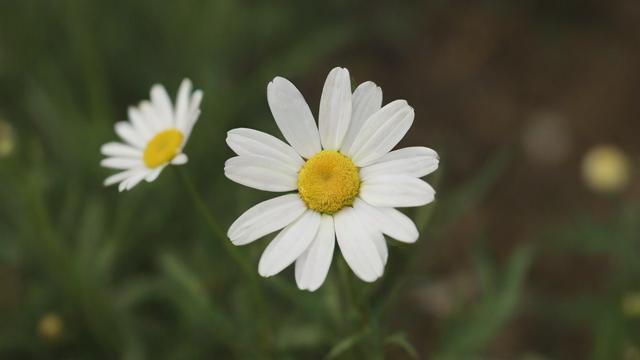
x=335 y=108
x=313 y=265
x=182 y=104
x=381 y=132
x=381 y=245
x=151 y=117
x=135 y=177
x=265 y=218
x=135 y=180
x=293 y=117
x=196 y=99
x=396 y=191
x=367 y=99
x=374 y=232
x=193 y=114
x=179 y=159
x=153 y=174
x=252 y=142
x=162 y=104
x=116 y=178
x=289 y=244
x=357 y=246
x=388 y=220
x=121 y=163
x=129 y=135
x=413 y=161
x=120 y=150
x=261 y=173
x=140 y=124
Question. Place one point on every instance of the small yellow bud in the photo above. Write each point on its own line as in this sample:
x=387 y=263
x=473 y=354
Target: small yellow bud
x=7 y=139
x=605 y=169
x=631 y=304
x=50 y=327
x=631 y=353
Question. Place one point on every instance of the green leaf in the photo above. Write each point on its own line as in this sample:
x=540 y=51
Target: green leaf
x=346 y=344
x=400 y=339
x=471 y=333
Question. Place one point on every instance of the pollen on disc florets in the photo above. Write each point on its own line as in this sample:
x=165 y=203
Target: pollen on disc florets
x=328 y=181
x=162 y=148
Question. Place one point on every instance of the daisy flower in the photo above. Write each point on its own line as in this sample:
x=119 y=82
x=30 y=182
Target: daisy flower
x=153 y=137
x=343 y=177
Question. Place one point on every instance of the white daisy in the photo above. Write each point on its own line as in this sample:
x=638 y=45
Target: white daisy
x=153 y=137
x=345 y=178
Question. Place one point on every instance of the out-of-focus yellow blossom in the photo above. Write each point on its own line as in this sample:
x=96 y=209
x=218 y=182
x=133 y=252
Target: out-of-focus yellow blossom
x=50 y=327
x=631 y=353
x=7 y=139
x=605 y=168
x=631 y=304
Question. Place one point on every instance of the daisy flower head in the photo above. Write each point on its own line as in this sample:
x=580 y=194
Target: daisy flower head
x=342 y=180
x=153 y=137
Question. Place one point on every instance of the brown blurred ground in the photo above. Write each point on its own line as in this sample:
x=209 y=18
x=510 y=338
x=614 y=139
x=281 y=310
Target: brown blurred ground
x=488 y=76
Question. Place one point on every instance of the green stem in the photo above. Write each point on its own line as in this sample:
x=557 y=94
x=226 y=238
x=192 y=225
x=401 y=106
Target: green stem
x=364 y=322
x=234 y=253
x=347 y=287
x=213 y=225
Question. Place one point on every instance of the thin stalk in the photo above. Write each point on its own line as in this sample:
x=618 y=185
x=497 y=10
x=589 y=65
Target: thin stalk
x=233 y=252
x=213 y=225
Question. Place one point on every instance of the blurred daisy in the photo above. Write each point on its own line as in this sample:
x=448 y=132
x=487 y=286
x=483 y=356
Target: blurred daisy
x=631 y=304
x=346 y=179
x=153 y=137
x=605 y=169
x=7 y=139
x=51 y=327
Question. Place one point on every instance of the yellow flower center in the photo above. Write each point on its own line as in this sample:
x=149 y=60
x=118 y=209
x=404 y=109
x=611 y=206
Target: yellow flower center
x=328 y=181
x=162 y=148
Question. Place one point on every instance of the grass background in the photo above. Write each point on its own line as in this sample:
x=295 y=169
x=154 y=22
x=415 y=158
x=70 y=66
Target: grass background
x=517 y=258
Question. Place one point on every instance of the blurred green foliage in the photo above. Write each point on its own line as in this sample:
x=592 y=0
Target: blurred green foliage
x=138 y=275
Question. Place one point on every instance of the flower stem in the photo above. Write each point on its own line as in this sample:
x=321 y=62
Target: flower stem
x=235 y=254
x=350 y=292
x=214 y=226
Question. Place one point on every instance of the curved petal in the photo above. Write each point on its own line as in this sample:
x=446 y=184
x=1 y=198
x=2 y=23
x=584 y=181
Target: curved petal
x=193 y=113
x=151 y=117
x=129 y=135
x=381 y=132
x=413 y=161
x=162 y=104
x=367 y=99
x=374 y=233
x=153 y=174
x=134 y=180
x=357 y=246
x=266 y=217
x=381 y=246
x=335 y=108
x=396 y=191
x=293 y=117
x=261 y=173
x=388 y=220
x=140 y=123
x=252 y=142
x=182 y=104
x=289 y=244
x=180 y=159
x=135 y=175
x=121 y=163
x=313 y=265
x=121 y=176
x=117 y=149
